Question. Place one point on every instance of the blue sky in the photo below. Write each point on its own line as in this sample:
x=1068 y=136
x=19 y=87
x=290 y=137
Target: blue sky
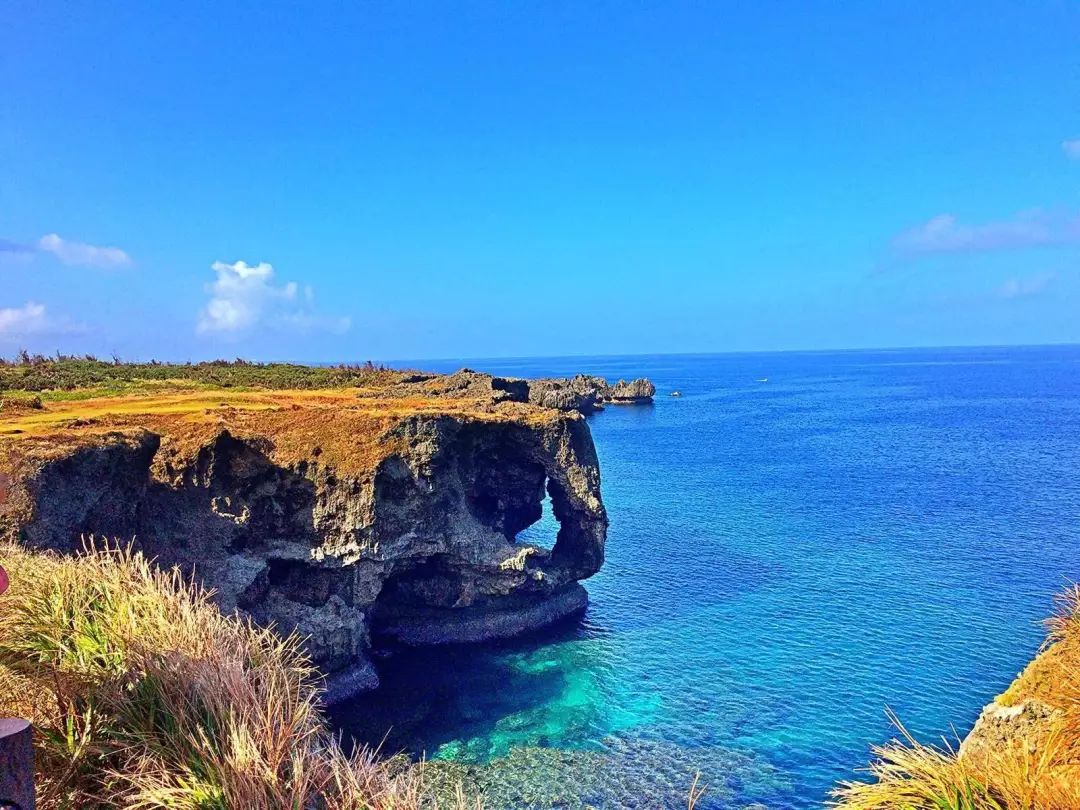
x=413 y=180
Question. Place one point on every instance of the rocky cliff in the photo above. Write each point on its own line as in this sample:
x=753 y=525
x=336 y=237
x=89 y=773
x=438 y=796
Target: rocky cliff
x=582 y=393
x=1035 y=719
x=344 y=515
x=631 y=393
x=586 y=393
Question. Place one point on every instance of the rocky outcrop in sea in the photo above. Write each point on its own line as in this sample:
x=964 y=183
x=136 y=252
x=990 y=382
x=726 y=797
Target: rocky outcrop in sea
x=586 y=394
x=634 y=392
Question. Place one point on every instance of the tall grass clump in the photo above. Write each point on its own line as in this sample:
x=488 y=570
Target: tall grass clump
x=143 y=695
x=1033 y=765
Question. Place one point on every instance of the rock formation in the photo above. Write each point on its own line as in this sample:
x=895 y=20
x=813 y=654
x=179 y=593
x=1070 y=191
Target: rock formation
x=634 y=392
x=463 y=384
x=1000 y=726
x=581 y=393
x=585 y=393
x=341 y=515
x=1030 y=715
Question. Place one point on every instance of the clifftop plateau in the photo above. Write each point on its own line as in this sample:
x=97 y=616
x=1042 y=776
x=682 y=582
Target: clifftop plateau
x=389 y=508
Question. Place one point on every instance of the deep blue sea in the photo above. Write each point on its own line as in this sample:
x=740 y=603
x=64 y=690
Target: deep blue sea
x=786 y=559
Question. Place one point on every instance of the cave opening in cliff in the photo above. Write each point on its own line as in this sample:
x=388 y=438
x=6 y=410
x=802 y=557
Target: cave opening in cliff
x=543 y=531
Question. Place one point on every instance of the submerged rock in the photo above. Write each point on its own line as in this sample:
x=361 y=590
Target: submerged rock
x=338 y=517
x=625 y=773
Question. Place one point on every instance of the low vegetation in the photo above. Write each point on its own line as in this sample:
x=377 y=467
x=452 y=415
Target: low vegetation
x=144 y=695
x=1031 y=761
x=55 y=377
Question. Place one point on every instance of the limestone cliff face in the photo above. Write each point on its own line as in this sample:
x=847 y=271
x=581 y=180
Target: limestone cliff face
x=339 y=520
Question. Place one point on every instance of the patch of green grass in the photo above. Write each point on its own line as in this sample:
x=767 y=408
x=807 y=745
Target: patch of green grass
x=65 y=377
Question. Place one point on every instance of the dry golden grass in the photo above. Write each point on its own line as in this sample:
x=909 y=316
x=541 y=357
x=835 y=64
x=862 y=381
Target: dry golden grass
x=144 y=696
x=1033 y=765
x=343 y=430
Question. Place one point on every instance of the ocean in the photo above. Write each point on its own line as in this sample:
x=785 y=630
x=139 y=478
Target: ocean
x=798 y=543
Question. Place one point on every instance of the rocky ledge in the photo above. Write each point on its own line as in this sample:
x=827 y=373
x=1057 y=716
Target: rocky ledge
x=344 y=515
x=1029 y=717
x=583 y=393
x=586 y=393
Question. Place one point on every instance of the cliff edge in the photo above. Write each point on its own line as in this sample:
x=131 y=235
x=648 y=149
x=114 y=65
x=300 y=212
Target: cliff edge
x=1023 y=752
x=388 y=510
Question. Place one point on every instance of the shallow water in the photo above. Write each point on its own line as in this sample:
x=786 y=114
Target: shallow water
x=786 y=559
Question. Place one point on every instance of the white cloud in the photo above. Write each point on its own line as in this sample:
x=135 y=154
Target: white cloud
x=945 y=234
x=34 y=319
x=81 y=253
x=1071 y=148
x=245 y=296
x=29 y=319
x=239 y=296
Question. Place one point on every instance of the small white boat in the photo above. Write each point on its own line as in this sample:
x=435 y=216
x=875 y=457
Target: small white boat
x=764 y=379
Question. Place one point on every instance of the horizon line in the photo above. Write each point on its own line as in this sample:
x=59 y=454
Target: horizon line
x=510 y=358
x=506 y=358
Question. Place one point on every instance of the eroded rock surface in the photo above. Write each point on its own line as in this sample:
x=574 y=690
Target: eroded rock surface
x=631 y=393
x=582 y=393
x=1000 y=726
x=338 y=515
x=1029 y=719
x=585 y=393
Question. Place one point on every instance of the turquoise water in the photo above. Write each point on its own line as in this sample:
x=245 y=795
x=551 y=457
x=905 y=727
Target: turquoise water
x=786 y=559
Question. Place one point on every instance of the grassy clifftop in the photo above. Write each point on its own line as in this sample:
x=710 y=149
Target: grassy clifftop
x=340 y=414
x=1023 y=754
